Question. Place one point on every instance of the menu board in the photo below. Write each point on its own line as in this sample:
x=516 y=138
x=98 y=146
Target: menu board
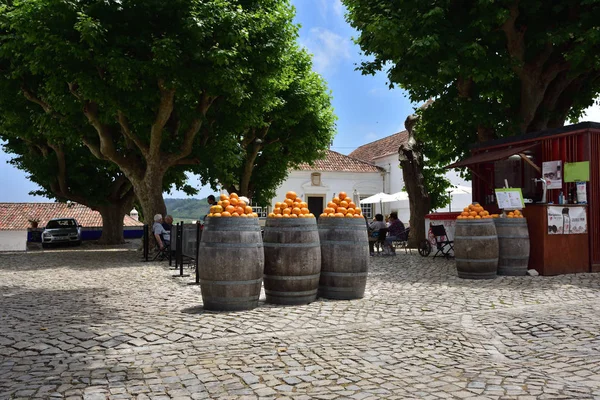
x=566 y=220
x=510 y=199
x=579 y=171
x=552 y=173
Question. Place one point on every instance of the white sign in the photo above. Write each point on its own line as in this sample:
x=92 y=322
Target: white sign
x=509 y=199
x=566 y=220
x=552 y=173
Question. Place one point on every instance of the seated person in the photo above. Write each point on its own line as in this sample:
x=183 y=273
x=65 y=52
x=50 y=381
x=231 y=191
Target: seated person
x=159 y=232
x=397 y=233
x=168 y=223
x=374 y=228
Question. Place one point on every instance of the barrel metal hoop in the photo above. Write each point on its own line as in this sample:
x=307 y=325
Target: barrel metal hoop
x=480 y=260
x=290 y=278
x=230 y=300
x=230 y=283
x=513 y=237
x=514 y=257
x=235 y=229
x=347 y=274
x=342 y=228
x=312 y=244
x=309 y=228
x=217 y=244
x=476 y=237
x=290 y=294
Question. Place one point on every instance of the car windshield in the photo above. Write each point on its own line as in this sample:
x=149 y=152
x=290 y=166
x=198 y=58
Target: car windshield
x=61 y=223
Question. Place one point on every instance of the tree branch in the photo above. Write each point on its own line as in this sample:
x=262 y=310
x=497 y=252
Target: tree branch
x=31 y=97
x=165 y=108
x=130 y=135
x=515 y=38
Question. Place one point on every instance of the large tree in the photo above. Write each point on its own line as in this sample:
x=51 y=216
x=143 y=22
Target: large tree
x=285 y=122
x=146 y=77
x=495 y=68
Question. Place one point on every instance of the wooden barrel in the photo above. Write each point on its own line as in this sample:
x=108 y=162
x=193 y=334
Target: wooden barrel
x=344 y=258
x=292 y=260
x=513 y=244
x=476 y=248
x=231 y=260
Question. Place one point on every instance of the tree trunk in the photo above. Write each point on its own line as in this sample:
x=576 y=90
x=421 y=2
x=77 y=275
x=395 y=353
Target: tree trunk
x=148 y=191
x=112 y=223
x=411 y=161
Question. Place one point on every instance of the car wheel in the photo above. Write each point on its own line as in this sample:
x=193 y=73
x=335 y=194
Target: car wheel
x=45 y=245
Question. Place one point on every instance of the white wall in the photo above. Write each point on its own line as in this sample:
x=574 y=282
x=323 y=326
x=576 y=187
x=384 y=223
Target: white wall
x=365 y=183
x=13 y=240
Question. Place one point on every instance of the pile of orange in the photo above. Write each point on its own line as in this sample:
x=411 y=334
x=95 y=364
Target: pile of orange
x=342 y=207
x=476 y=211
x=514 y=214
x=232 y=206
x=291 y=207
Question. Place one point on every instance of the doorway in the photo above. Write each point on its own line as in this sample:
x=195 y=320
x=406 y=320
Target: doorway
x=315 y=204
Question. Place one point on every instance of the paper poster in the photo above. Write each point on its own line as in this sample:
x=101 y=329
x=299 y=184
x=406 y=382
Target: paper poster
x=579 y=171
x=510 y=199
x=566 y=220
x=552 y=173
x=581 y=192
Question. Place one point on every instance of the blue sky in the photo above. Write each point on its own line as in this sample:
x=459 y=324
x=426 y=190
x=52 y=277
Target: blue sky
x=366 y=109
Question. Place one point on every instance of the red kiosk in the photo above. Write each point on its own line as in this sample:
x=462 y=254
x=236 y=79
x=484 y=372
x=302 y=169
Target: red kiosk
x=564 y=230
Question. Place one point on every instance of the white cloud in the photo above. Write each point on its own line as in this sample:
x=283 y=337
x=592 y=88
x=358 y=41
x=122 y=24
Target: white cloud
x=372 y=136
x=328 y=49
x=334 y=7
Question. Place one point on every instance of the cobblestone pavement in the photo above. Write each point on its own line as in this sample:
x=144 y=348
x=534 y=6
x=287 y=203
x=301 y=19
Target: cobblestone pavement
x=98 y=323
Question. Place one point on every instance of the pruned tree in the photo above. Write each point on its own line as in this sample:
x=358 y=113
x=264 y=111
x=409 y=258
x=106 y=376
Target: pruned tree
x=147 y=78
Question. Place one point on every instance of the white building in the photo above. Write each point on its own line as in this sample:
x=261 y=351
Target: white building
x=384 y=154
x=321 y=182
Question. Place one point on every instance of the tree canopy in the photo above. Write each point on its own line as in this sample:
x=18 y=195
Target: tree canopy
x=144 y=81
x=494 y=68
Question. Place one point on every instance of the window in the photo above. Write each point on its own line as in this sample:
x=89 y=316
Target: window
x=261 y=211
x=315 y=178
x=367 y=209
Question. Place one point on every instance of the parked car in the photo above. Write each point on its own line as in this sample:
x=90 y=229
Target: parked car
x=61 y=230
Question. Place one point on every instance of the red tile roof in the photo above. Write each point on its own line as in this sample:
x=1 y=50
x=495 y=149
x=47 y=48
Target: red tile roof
x=16 y=216
x=337 y=162
x=379 y=148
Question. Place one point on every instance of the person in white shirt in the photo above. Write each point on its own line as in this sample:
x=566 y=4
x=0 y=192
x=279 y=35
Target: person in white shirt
x=158 y=230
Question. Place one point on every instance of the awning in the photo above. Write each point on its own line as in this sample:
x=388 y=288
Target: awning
x=492 y=155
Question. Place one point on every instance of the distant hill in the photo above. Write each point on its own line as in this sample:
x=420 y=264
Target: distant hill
x=187 y=209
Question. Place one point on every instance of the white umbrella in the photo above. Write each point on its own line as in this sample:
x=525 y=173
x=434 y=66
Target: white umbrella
x=378 y=198
x=399 y=196
x=459 y=189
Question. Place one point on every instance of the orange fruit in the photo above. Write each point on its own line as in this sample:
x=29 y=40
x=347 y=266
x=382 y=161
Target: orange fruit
x=291 y=195
x=311 y=215
x=277 y=211
x=293 y=215
x=297 y=200
x=336 y=200
x=225 y=214
x=473 y=213
x=357 y=216
x=224 y=197
x=241 y=203
x=470 y=217
x=271 y=215
x=477 y=217
x=358 y=211
x=305 y=210
x=331 y=215
x=303 y=204
x=278 y=216
x=296 y=211
x=216 y=215
x=351 y=204
x=466 y=209
x=244 y=216
x=287 y=211
x=234 y=214
x=332 y=205
x=255 y=215
x=233 y=196
x=349 y=215
x=342 y=195
x=342 y=210
x=240 y=210
x=288 y=202
x=225 y=203
x=344 y=204
x=230 y=209
x=350 y=212
x=278 y=204
x=234 y=201
x=219 y=209
x=338 y=215
x=248 y=210
x=210 y=215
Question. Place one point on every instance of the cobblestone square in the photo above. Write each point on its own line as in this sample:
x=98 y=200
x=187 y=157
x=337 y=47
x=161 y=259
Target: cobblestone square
x=98 y=323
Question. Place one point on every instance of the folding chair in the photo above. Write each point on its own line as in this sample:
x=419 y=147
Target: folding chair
x=443 y=245
x=380 y=242
x=165 y=253
x=403 y=242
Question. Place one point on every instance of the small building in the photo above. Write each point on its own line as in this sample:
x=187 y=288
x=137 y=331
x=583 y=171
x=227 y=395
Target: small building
x=383 y=153
x=17 y=222
x=319 y=183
